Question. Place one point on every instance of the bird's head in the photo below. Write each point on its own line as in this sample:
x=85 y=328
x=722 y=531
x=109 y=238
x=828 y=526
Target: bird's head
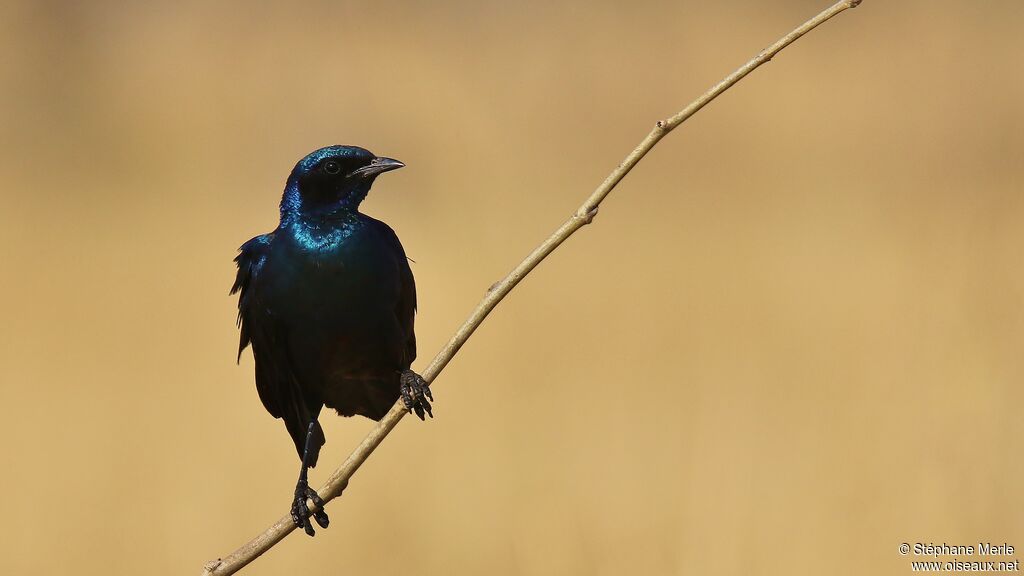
x=333 y=179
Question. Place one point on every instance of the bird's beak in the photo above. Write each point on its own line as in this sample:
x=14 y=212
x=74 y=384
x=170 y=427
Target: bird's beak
x=377 y=166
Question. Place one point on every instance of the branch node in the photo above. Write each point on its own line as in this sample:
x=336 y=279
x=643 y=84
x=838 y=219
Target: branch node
x=494 y=287
x=855 y=3
x=589 y=216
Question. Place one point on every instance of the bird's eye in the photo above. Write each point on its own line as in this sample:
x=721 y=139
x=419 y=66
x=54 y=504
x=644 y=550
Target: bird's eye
x=332 y=167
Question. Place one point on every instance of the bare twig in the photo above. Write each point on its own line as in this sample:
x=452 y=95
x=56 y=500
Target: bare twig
x=583 y=216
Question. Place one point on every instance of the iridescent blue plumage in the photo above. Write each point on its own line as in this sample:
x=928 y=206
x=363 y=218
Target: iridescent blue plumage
x=291 y=201
x=327 y=302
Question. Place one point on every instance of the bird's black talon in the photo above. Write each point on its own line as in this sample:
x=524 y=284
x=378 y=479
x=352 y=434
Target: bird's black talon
x=301 y=513
x=416 y=394
x=407 y=399
x=320 y=515
x=321 y=518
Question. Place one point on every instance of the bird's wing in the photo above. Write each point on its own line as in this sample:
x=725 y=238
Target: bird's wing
x=250 y=259
x=405 y=309
x=254 y=321
x=275 y=377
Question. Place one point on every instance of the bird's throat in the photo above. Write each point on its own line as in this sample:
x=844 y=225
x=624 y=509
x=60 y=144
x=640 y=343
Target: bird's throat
x=324 y=233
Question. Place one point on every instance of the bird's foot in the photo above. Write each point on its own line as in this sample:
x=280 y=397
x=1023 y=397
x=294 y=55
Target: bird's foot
x=416 y=393
x=301 y=513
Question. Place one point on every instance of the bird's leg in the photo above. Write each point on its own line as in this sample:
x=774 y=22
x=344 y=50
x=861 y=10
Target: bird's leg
x=300 y=512
x=415 y=393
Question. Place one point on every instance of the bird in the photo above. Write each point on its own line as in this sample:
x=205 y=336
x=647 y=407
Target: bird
x=327 y=301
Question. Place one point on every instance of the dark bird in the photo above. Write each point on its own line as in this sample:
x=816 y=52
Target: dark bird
x=327 y=301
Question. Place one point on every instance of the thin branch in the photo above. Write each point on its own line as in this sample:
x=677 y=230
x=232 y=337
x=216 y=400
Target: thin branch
x=583 y=216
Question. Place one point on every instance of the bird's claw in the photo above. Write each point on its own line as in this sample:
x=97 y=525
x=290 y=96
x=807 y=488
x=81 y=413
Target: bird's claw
x=416 y=394
x=301 y=513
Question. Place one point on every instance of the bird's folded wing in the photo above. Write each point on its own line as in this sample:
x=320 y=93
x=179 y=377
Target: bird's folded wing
x=405 y=309
x=275 y=376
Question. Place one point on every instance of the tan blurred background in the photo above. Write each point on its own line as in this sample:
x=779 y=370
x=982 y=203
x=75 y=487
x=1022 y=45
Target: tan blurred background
x=791 y=341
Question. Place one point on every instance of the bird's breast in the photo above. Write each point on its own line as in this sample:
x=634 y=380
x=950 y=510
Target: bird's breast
x=339 y=270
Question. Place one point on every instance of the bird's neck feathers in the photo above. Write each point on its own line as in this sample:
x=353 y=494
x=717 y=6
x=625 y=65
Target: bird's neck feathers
x=320 y=228
x=294 y=208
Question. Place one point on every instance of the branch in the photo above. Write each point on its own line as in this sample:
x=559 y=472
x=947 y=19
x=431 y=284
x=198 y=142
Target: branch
x=583 y=216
